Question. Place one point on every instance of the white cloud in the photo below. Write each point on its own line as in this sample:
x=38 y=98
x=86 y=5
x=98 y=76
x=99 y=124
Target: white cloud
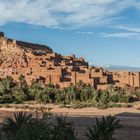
x=122 y=35
x=62 y=13
x=131 y=32
x=129 y=28
x=83 y=32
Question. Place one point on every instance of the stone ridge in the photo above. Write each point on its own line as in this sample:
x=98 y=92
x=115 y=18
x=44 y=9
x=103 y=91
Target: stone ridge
x=27 y=45
x=40 y=62
x=33 y=46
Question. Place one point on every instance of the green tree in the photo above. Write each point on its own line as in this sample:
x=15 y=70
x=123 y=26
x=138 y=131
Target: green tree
x=26 y=127
x=6 y=88
x=63 y=130
x=12 y=128
x=103 y=129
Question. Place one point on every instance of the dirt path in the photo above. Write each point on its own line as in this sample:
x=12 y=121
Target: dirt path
x=88 y=111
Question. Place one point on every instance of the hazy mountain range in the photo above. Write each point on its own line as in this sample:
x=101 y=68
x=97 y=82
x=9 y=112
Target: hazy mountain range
x=117 y=67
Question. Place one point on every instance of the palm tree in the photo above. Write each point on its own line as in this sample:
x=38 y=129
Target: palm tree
x=6 y=85
x=25 y=127
x=63 y=130
x=104 y=129
x=6 y=88
x=11 y=128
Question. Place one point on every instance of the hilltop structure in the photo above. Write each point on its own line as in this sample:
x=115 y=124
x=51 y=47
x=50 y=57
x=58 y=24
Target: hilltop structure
x=40 y=62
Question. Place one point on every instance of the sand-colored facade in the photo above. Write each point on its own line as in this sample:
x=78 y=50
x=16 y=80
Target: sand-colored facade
x=40 y=62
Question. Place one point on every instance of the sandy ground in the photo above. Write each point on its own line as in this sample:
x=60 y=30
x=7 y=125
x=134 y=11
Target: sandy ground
x=88 y=111
x=83 y=118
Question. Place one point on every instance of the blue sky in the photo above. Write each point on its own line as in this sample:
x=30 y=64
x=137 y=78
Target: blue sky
x=102 y=31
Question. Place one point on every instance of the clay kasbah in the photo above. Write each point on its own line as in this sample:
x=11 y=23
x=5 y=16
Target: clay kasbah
x=40 y=62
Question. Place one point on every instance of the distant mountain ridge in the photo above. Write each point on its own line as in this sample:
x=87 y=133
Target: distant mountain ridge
x=117 y=67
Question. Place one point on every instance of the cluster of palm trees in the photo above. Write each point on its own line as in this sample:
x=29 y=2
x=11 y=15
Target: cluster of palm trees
x=11 y=91
x=26 y=126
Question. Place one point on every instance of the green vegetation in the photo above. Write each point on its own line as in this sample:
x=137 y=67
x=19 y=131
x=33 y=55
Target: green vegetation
x=78 y=96
x=104 y=129
x=26 y=126
x=10 y=91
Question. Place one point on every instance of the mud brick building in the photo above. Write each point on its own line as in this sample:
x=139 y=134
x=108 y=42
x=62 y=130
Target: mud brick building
x=36 y=61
